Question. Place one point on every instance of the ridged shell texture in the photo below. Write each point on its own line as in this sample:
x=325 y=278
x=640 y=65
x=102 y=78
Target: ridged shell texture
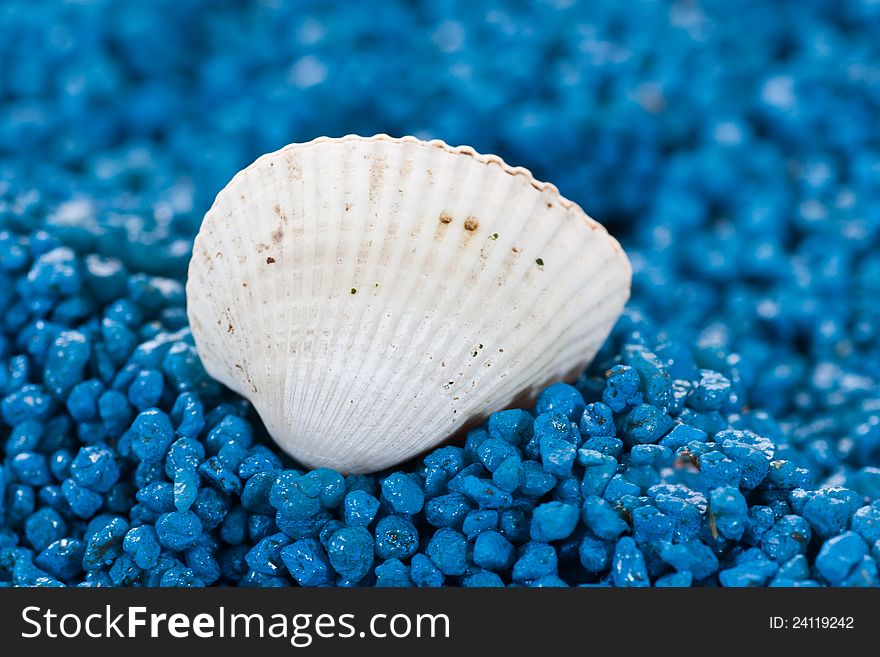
x=372 y=296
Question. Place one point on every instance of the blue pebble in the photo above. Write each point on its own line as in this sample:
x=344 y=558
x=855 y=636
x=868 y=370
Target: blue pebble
x=350 y=551
x=597 y=420
x=396 y=538
x=622 y=388
x=553 y=521
x=492 y=551
x=424 y=573
x=681 y=435
x=448 y=550
x=482 y=579
x=152 y=435
x=535 y=560
x=561 y=398
x=485 y=494
x=594 y=554
x=178 y=530
x=534 y=481
x=146 y=389
x=447 y=510
x=514 y=426
x=786 y=539
x=645 y=424
x=840 y=556
x=43 y=527
x=628 y=565
x=557 y=456
x=95 y=467
x=599 y=516
x=493 y=452
x=296 y=495
x=866 y=522
x=66 y=362
x=265 y=557
x=62 y=559
x=729 y=511
x=402 y=493
x=307 y=562
x=82 y=402
x=104 y=545
x=142 y=544
x=360 y=508
x=30 y=468
x=30 y=402
x=476 y=522
x=83 y=502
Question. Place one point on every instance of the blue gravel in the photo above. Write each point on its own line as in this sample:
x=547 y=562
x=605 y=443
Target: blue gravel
x=728 y=432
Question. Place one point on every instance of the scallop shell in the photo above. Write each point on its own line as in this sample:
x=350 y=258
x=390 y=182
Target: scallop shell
x=373 y=296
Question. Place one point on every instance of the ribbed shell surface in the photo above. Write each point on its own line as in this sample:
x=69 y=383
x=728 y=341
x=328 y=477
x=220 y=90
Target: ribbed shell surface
x=371 y=296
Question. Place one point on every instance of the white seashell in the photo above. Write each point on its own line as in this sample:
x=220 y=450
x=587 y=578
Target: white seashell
x=372 y=296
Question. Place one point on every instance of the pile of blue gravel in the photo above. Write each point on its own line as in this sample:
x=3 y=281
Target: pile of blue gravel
x=727 y=434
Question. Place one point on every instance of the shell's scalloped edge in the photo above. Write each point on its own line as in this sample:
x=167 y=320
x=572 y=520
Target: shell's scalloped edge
x=488 y=159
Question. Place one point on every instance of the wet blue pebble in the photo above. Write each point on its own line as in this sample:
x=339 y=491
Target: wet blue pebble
x=601 y=518
x=729 y=511
x=484 y=493
x=403 y=493
x=30 y=468
x=829 y=510
x=350 y=551
x=396 y=538
x=151 y=435
x=95 y=467
x=628 y=567
x=265 y=556
x=514 y=426
x=594 y=554
x=534 y=481
x=681 y=435
x=178 y=530
x=62 y=559
x=645 y=424
x=493 y=452
x=557 y=456
x=307 y=562
x=142 y=544
x=839 y=556
x=597 y=420
x=482 y=579
x=392 y=573
x=146 y=389
x=535 y=560
x=30 y=402
x=424 y=573
x=43 y=527
x=82 y=402
x=448 y=549
x=866 y=522
x=561 y=398
x=622 y=388
x=553 y=521
x=66 y=362
x=692 y=556
x=492 y=551
x=711 y=392
x=787 y=538
x=297 y=496
x=104 y=543
x=360 y=508
x=83 y=502
x=476 y=522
